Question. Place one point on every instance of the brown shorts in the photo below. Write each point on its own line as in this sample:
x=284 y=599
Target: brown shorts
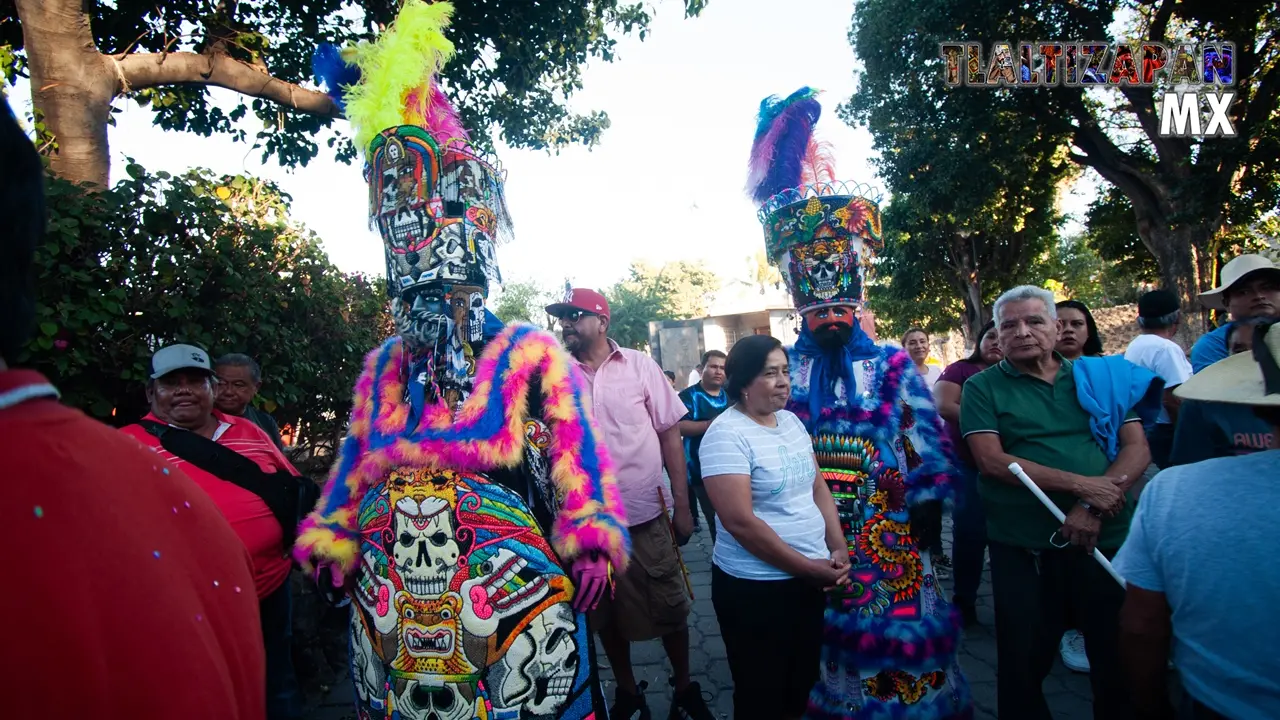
x=649 y=599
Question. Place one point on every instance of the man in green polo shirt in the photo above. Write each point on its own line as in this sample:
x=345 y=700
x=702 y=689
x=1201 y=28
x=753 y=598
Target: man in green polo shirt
x=1025 y=409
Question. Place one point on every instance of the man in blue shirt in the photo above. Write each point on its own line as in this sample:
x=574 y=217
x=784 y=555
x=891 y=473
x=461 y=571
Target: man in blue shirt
x=1199 y=571
x=705 y=401
x=1209 y=430
x=1250 y=289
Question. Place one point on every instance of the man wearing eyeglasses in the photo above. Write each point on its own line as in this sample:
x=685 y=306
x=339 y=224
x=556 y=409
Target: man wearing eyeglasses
x=638 y=413
x=1028 y=409
x=239 y=379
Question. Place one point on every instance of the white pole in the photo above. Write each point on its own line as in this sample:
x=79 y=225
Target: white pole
x=1016 y=469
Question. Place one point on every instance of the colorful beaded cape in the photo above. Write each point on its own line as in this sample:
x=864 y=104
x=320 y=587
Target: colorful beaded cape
x=889 y=649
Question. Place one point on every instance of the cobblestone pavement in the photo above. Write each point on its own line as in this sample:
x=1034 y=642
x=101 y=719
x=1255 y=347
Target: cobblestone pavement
x=1068 y=693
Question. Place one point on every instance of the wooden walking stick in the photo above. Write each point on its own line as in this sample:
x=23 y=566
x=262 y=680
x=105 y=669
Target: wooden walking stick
x=675 y=543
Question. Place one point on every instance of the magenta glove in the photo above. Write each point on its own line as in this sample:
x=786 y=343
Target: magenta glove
x=332 y=585
x=590 y=575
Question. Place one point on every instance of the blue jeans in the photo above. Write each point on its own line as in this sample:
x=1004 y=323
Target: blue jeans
x=968 y=537
x=284 y=700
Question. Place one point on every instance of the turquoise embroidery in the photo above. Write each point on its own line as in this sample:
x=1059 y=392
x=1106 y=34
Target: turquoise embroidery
x=794 y=468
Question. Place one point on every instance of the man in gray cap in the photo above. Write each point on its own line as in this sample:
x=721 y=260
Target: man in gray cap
x=1250 y=289
x=181 y=389
x=1155 y=350
x=254 y=496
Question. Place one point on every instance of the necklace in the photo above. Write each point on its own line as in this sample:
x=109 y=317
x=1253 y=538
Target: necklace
x=757 y=420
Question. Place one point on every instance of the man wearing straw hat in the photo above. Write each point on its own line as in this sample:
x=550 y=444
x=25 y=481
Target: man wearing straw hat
x=1027 y=410
x=1197 y=558
x=1250 y=289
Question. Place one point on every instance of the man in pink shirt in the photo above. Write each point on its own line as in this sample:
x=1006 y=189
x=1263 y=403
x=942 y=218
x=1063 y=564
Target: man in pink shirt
x=639 y=413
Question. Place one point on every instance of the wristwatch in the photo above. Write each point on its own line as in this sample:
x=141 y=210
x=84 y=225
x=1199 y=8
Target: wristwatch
x=1089 y=507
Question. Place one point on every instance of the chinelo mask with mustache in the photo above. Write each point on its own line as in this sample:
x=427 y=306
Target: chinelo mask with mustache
x=832 y=326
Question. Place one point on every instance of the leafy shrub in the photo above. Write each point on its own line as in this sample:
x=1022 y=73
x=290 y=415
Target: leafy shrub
x=207 y=260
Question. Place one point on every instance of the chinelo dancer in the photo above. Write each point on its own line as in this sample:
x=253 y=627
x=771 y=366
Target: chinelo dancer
x=890 y=637
x=472 y=514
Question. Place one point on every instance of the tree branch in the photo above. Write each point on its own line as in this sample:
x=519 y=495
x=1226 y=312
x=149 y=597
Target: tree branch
x=1262 y=106
x=1160 y=22
x=1171 y=153
x=146 y=70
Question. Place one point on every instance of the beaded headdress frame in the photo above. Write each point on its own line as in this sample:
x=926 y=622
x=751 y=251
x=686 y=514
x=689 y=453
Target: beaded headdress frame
x=822 y=234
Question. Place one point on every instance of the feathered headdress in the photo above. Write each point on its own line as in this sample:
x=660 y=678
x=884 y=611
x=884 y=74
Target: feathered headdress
x=820 y=232
x=394 y=79
x=784 y=132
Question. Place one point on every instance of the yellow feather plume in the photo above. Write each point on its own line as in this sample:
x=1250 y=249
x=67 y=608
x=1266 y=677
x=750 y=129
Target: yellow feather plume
x=401 y=60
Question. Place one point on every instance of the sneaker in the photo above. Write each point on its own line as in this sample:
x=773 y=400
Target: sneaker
x=941 y=566
x=689 y=704
x=630 y=707
x=1072 y=650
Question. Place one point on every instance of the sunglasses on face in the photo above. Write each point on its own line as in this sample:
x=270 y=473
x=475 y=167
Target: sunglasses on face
x=576 y=315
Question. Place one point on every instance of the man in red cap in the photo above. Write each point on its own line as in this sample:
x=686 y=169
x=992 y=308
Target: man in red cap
x=639 y=413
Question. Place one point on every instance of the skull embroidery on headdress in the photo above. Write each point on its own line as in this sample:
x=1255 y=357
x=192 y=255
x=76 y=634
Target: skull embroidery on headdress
x=823 y=243
x=438 y=208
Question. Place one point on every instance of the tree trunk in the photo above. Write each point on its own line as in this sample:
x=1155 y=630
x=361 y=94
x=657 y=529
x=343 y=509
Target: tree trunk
x=72 y=86
x=1183 y=254
x=973 y=312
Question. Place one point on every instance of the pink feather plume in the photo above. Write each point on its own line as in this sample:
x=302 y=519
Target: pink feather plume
x=436 y=114
x=819 y=163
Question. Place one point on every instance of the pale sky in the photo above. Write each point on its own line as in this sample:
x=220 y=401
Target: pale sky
x=666 y=181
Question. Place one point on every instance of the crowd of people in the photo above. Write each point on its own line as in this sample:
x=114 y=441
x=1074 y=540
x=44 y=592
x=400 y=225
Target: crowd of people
x=504 y=496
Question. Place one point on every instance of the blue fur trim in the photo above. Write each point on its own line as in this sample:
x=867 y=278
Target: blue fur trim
x=877 y=642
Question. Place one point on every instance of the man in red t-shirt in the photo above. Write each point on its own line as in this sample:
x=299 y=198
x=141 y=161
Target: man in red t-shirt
x=129 y=596
x=181 y=393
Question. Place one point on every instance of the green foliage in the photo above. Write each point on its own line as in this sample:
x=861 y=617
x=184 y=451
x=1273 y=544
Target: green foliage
x=1113 y=237
x=212 y=261
x=517 y=63
x=1073 y=269
x=676 y=291
x=523 y=301
x=1181 y=192
x=973 y=180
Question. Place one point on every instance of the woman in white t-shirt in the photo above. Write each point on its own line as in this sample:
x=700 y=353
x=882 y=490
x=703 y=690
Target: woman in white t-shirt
x=916 y=343
x=778 y=542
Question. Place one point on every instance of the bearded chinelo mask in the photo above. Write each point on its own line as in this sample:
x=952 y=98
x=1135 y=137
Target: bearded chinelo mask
x=821 y=234
x=436 y=200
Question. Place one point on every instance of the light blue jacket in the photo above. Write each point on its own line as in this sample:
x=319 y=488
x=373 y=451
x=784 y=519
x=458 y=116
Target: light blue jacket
x=1108 y=388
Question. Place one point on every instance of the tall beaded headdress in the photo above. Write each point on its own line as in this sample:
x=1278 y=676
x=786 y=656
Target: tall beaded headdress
x=436 y=200
x=821 y=233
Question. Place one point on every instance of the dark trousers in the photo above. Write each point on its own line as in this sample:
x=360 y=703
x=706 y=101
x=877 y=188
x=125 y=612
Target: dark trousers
x=968 y=538
x=1033 y=593
x=1160 y=440
x=693 y=503
x=700 y=498
x=1193 y=709
x=284 y=701
x=773 y=654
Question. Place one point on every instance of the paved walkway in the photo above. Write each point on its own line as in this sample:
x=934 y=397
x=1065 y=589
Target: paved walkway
x=1068 y=693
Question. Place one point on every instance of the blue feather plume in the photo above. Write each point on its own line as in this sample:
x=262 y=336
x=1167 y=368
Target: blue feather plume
x=333 y=72
x=783 y=130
